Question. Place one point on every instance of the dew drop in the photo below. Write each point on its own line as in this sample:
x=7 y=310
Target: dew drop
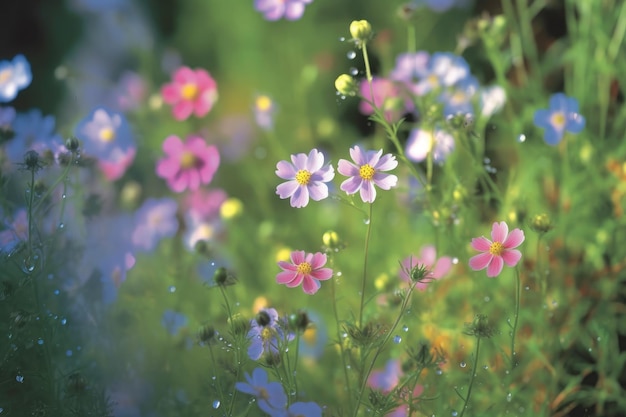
x=485 y=367
x=487 y=299
x=397 y=339
x=455 y=261
x=216 y=404
x=171 y=288
x=509 y=397
x=521 y=138
x=19 y=378
x=351 y=55
x=57 y=292
x=366 y=221
x=40 y=341
x=462 y=364
x=69 y=353
x=342 y=39
x=338 y=273
x=63 y=321
x=527 y=288
x=439 y=372
x=354 y=71
x=405 y=328
x=486 y=161
x=454 y=414
x=61 y=225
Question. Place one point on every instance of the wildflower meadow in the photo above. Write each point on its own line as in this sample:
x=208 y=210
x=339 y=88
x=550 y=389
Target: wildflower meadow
x=307 y=208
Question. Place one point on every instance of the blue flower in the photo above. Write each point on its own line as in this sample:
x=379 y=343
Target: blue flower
x=103 y=131
x=155 y=220
x=561 y=117
x=173 y=321
x=444 y=69
x=7 y=116
x=300 y=409
x=270 y=396
x=458 y=99
x=14 y=76
x=32 y=131
x=266 y=334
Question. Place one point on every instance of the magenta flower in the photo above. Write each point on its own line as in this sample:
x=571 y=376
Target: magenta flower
x=497 y=252
x=387 y=96
x=436 y=268
x=275 y=9
x=367 y=172
x=191 y=91
x=187 y=165
x=305 y=269
x=306 y=177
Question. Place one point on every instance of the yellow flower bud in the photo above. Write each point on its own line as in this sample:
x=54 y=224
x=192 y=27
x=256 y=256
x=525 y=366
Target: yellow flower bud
x=231 y=208
x=346 y=85
x=361 y=31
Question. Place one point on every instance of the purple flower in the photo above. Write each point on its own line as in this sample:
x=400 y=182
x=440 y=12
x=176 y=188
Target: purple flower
x=458 y=99
x=387 y=379
x=14 y=76
x=440 y=5
x=32 y=131
x=270 y=395
x=107 y=136
x=16 y=231
x=155 y=220
x=7 y=116
x=307 y=176
x=444 y=70
x=422 y=141
x=561 y=117
x=265 y=334
x=275 y=9
x=367 y=172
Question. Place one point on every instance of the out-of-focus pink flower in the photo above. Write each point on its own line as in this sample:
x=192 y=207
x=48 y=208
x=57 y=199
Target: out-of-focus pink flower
x=422 y=141
x=436 y=268
x=130 y=91
x=204 y=204
x=189 y=164
x=367 y=172
x=497 y=252
x=306 y=269
x=191 y=91
x=306 y=177
x=275 y=9
x=387 y=379
x=388 y=97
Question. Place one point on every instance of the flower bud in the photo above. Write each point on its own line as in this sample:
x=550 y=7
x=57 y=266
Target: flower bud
x=299 y=321
x=223 y=277
x=207 y=334
x=332 y=242
x=361 y=31
x=541 y=223
x=72 y=144
x=479 y=327
x=32 y=161
x=346 y=85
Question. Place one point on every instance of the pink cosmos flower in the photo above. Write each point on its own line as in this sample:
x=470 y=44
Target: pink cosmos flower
x=187 y=165
x=437 y=268
x=367 y=172
x=497 y=252
x=305 y=269
x=275 y=9
x=191 y=91
x=387 y=96
x=306 y=177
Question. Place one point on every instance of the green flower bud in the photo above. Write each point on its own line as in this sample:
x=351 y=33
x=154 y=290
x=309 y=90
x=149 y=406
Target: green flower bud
x=541 y=223
x=346 y=85
x=72 y=144
x=479 y=327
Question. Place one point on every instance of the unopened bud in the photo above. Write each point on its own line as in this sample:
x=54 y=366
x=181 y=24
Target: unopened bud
x=72 y=144
x=346 y=85
x=541 y=223
x=361 y=31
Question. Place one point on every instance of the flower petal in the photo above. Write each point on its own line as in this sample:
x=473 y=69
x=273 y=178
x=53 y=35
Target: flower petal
x=287 y=277
x=499 y=231
x=514 y=239
x=287 y=189
x=481 y=244
x=495 y=267
x=318 y=191
x=351 y=185
x=480 y=261
x=322 y=274
x=310 y=286
x=443 y=266
x=358 y=156
x=386 y=163
x=511 y=257
x=318 y=260
x=300 y=197
x=285 y=170
x=385 y=181
x=368 y=192
x=297 y=257
x=347 y=168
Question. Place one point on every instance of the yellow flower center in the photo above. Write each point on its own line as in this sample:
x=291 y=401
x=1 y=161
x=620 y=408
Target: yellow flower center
x=266 y=334
x=303 y=177
x=304 y=268
x=5 y=75
x=496 y=248
x=558 y=119
x=310 y=336
x=187 y=160
x=263 y=103
x=107 y=134
x=366 y=172
x=189 y=91
x=433 y=81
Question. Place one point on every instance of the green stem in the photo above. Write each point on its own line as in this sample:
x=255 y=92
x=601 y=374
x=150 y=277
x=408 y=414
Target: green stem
x=516 y=318
x=367 y=243
x=340 y=339
x=411 y=48
x=237 y=348
x=217 y=374
x=472 y=377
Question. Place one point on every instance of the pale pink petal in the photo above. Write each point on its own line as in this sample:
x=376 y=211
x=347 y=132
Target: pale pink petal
x=275 y=13
x=318 y=260
x=499 y=232
x=443 y=266
x=310 y=286
x=515 y=238
x=358 y=156
x=204 y=81
x=294 y=11
x=495 y=267
x=299 y=161
x=300 y=197
x=351 y=185
x=386 y=163
x=322 y=274
x=178 y=183
x=511 y=256
x=481 y=244
x=428 y=255
x=286 y=189
x=315 y=161
x=297 y=257
x=324 y=174
x=318 y=191
x=285 y=170
x=286 y=277
x=167 y=168
x=347 y=168
x=368 y=192
x=202 y=106
x=373 y=157
x=385 y=181
x=173 y=146
x=480 y=261
x=184 y=75
x=287 y=266
x=193 y=178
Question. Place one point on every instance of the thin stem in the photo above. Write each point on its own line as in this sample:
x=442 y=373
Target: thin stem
x=217 y=374
x=472 y=377
x=237 y=348
x=367 y=244
x=517 y=303
x=411 y=48
x=340 y=340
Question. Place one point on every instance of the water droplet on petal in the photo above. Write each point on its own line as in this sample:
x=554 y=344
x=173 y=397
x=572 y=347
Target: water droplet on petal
x=342 y=39
x=351 y=55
